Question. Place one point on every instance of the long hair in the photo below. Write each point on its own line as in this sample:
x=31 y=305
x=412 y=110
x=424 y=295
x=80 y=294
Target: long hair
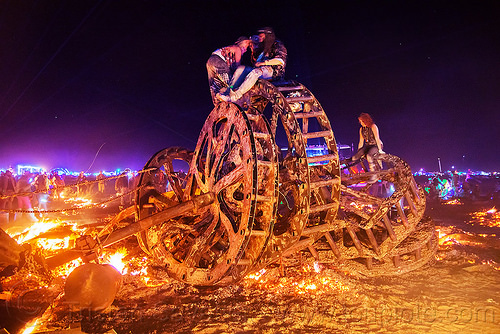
x=269 y=39
x=247 y=58
x=367 y=119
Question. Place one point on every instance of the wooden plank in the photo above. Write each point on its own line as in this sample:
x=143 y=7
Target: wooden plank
x=373 y=241
x=388 y=225
x=332 y=244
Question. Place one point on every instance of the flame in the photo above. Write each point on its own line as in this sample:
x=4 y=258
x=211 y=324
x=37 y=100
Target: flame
x=35 y=230
x=78 y=202
x=81 y=202
x=368 y=208
x=143 y=274
x=30 y=327
x=46 y=244
x=493 y=210
x=455 y=201
x=489 y=218
x=316 y=282
x=256 y=276
x=116 y=259
x=66 y=269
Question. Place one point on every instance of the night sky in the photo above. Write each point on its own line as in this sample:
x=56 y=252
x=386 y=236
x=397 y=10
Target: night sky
x=91 y=85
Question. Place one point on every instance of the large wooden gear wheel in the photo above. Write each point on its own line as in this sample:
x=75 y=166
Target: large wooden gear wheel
x=235 y=160
x=272 y=164
x=381 y=210
x=309 y=183
x=160 y=186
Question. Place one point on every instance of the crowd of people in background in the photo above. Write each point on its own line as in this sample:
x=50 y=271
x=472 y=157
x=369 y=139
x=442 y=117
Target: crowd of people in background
x=232 y=71
x=465 y=186
x=31 y=194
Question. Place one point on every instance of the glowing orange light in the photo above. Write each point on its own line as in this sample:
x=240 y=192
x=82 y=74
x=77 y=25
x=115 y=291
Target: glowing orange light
x=453 y=202
x=489 y=218
x=492 y=210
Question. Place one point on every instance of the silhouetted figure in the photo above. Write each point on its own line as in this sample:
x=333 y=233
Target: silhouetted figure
x=41 y=183
x=8 y=188
x=24 y=197
x=101 y=183
x=81 y=187
x=121 y=188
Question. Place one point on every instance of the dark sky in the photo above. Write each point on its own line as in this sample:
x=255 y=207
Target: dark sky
x=91 y=85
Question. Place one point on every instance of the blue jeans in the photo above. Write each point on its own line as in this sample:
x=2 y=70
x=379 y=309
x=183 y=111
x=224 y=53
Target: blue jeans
x=218 y=75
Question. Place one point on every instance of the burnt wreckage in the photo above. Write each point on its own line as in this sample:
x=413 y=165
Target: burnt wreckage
x=253 y=195
x=270 y=199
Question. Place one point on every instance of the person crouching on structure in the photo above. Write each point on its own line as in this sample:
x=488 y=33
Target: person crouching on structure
x=222 y=64
x=270 y=64
x=369 y=141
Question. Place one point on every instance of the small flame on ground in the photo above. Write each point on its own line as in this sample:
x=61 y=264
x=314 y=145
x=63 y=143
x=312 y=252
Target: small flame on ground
x=116 y=260
x=79 y=202
x=455 y=201
x=492 y=210
x=35 y=230
x=489 y=218
x=30 y=327
x=315 y=283
x=368 y=208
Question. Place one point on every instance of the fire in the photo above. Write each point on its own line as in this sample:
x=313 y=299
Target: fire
x=452 y=235
x=368 y=208
x=34 y=230
x=31 y=326
x=143 y=273
x=116 y=259
x=489 y=218
x=445 y=238
x=256 y=276
x=455 y=201
x=315 y=282
x=78 y=202
x=492 y=264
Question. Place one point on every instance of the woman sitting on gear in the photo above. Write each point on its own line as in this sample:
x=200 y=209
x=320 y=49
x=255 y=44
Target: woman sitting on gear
x=369 y=141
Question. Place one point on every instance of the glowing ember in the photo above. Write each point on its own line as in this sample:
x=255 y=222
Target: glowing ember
x=314 y=283
x=142 y=273
x=489 y=218
x=444 y=237
x=492 y=210
x=257 y=275
x=116 y=260
x=30 y=327
x=455 y=201
x=492 y=264
x=34 y=230
x=78 y=202
x=368 y=208
x=66 y=269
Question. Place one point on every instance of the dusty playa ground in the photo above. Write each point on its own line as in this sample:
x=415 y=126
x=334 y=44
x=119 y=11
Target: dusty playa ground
x=458 y=292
